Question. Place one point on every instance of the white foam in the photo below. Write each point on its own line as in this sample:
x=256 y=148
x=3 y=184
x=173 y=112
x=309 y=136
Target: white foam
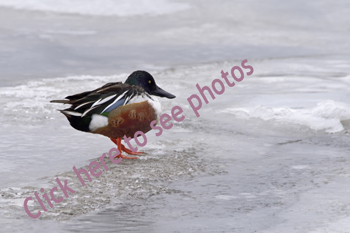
x=99 y=7
x=300 y=167
x=327 y=115
x=225 y=197
x=33 y=98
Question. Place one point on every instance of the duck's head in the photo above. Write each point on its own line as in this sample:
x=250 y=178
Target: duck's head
x=146 y=81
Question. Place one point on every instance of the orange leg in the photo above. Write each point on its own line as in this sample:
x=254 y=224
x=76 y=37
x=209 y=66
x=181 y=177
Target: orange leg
x=130 y=152
x=121 y=148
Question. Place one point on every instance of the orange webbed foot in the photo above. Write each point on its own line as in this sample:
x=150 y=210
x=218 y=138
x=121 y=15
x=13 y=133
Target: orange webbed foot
x=124 y=157
x=121 y=148
x=130 y=152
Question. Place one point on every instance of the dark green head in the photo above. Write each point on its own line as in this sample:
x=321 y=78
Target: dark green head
x=146 y=81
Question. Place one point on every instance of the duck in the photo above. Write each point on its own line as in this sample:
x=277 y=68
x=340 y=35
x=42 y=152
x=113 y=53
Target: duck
x=117 y=109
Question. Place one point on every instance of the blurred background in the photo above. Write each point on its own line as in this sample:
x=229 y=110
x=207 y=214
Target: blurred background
x=269 y=155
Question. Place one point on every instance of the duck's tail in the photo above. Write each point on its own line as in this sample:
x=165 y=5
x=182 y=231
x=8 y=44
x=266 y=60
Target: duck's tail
x=76 y=121
x=60 y=101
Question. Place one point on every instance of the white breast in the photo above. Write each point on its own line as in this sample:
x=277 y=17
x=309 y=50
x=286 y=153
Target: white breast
x=154 y=102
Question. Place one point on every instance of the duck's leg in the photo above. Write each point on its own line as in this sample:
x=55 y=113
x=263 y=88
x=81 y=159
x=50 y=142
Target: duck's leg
x=118 y=142
x=130 y=152
x=123 y=148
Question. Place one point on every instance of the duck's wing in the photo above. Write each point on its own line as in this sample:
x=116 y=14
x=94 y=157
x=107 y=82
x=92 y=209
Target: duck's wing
x=115 y=86
x=99 y=101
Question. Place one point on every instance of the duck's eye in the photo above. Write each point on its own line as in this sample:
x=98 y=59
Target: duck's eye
x=149 y=81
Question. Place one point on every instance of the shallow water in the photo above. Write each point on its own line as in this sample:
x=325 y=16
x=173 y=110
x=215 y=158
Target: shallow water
x=270 y=154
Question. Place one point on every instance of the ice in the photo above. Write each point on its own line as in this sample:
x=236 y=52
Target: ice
x=327 y=115
x=100 y=7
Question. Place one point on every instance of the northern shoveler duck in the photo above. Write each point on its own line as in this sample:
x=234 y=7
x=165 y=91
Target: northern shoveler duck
x=117 y=109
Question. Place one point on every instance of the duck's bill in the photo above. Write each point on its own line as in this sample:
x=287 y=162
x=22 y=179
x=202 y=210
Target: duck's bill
x=161 y=93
